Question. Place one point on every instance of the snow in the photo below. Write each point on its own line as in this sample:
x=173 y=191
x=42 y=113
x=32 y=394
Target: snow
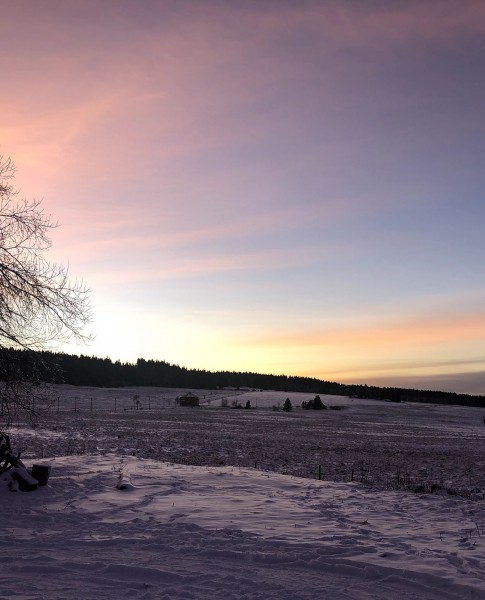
x=232 y=531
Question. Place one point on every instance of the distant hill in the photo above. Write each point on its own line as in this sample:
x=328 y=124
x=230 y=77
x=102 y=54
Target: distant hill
x=53 y=367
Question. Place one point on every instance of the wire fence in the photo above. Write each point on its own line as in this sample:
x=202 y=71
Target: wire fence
x=141 y=402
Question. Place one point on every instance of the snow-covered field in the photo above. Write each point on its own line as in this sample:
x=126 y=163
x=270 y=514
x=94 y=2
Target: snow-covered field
x=226 y=503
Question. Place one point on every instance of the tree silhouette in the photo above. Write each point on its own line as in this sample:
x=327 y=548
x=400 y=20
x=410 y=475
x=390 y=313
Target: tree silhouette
x=287 y=407
x=38 y=302
x=317 y=403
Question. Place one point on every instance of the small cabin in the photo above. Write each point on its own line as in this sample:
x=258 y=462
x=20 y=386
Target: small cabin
x=188 y=399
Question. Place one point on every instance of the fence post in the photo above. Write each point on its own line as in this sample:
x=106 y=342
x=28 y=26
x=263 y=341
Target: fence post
x=319 y=472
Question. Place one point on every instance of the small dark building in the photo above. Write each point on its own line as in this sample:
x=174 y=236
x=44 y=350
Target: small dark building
x=188 y=399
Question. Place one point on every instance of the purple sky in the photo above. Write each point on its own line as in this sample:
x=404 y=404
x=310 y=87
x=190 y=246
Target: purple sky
x=285 y=187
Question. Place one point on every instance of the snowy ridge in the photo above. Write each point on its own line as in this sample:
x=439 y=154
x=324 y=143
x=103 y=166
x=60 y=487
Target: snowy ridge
x=226 y=532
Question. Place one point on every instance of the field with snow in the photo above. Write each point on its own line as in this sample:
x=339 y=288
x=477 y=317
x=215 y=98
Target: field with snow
x=226 y=503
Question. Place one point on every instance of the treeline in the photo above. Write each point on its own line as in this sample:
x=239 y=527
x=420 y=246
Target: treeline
x=53 y=367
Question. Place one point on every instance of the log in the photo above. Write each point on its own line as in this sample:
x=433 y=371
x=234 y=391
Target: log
x=26 y=482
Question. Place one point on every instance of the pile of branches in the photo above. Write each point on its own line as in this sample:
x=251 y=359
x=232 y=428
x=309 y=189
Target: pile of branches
x=8 y=458
x=12 y=470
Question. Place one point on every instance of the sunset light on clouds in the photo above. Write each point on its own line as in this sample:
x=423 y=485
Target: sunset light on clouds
x=274 y=186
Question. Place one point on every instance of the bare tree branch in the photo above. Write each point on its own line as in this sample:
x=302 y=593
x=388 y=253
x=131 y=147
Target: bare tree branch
x=38 y=302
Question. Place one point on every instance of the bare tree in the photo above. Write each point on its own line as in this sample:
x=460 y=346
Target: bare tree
x=38 y=302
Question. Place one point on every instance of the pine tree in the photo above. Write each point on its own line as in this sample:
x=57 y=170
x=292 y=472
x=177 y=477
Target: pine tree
x=287 y=405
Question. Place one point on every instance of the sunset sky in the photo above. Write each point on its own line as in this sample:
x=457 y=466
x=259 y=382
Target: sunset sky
x=271 y=186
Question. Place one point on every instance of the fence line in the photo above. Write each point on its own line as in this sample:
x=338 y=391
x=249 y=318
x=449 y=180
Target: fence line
x=134 y=403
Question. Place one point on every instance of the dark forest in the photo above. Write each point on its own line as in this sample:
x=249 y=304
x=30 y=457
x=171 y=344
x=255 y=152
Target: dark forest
x=56 y=368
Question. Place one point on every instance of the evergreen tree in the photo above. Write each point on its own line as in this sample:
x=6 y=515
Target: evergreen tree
x=287 y=405
x=317 y=403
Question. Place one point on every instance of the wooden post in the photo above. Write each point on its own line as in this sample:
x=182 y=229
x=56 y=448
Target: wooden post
x=319 y=472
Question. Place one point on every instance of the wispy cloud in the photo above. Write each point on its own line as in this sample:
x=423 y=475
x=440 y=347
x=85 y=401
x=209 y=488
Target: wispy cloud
x=414 y=332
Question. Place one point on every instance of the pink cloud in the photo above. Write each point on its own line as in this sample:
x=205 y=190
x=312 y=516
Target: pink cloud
x=160 y=88
x=412 y=332
x=366 y=24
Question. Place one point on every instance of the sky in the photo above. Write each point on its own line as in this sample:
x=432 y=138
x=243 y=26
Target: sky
x=271 y=186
